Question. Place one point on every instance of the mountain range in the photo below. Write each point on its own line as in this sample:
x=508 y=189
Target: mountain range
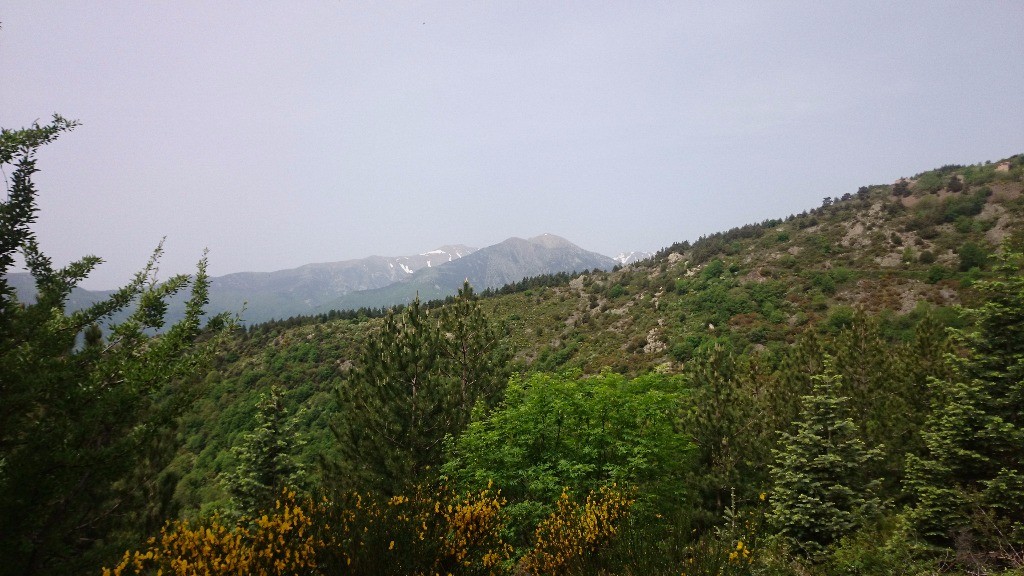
x=306 y=289
x=491 y=267
x=374 y=281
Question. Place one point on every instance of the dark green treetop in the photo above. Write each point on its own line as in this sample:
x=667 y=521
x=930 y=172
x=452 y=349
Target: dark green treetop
x=417 y=381
x=266 y=458
x=969 y=483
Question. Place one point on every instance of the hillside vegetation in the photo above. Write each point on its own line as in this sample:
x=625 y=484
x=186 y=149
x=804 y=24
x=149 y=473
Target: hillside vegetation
x=736 y=329
x=832 y=392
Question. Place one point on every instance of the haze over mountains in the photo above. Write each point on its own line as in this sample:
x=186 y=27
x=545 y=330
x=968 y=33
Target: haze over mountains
x=375 y=281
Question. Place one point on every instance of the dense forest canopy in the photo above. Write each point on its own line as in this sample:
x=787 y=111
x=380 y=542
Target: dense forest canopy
x=832 y=392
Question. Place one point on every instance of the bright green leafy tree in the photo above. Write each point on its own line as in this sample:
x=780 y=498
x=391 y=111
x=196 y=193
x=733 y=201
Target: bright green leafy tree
x=566 y=431
x=84 y=431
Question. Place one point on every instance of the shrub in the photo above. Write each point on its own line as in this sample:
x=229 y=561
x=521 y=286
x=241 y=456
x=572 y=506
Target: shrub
x=714 y=269
x=929 y=182
x=574 y=534
x=972 y=256
x=426 y=533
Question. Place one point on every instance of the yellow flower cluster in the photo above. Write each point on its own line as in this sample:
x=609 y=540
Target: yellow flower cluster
x=424 y=533
x=474 y=526
x=429 y=533
x=741 y=553
x=575 y=530
x=274 y=544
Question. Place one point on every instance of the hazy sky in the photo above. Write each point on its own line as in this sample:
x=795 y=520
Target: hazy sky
x=283 y=133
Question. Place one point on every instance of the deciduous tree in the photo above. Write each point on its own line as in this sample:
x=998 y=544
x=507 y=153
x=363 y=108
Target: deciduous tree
x=83 y=430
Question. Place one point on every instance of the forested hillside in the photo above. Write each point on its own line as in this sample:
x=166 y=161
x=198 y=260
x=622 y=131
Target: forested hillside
x=831 y=392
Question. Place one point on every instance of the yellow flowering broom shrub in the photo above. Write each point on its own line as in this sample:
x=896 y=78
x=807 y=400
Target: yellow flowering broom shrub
x=576 y=532
x=278 y=543
x=472 y=539
x=425 y=534
x=436 y=533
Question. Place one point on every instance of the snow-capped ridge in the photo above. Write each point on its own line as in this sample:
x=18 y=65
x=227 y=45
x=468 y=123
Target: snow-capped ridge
x=627 y=258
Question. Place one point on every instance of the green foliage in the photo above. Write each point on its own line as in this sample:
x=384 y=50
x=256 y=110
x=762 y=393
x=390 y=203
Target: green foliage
x=929 y=182
x=972 y=256
x=963 y=206
x=884 y=382
x=938 y=273
x=930 y=212
x=883 y=548
x=417 y=381
x=970 y=481
x=714 y=269
x=839 y=317
x=84 y=432
x=733 y=422
x=820 y=492
x=565 y=431
x=266 y=458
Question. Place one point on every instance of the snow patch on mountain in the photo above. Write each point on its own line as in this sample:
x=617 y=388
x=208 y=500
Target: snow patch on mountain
x=627 y=258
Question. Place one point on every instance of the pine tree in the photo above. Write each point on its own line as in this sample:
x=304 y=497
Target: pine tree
x=820 y=492
x=970 y=481
x=417 y=381
x=266 y=462
x=886 y=384
x=474 y=355
x=732 y=428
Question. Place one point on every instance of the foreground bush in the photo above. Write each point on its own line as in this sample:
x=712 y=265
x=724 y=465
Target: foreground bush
x=438 y=533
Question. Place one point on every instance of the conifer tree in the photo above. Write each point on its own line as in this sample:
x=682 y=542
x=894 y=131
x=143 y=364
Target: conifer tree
x=266 y=462
x=418 y=380
x=474 y=355
x=970 y=480
x=885 y=382
x=820 y=491
x=732 y=428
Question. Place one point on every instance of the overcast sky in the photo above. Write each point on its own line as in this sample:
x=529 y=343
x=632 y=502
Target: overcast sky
x=282 y=133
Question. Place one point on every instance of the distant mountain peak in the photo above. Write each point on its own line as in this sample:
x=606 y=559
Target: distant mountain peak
x=551 y=241
x=508 y=261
